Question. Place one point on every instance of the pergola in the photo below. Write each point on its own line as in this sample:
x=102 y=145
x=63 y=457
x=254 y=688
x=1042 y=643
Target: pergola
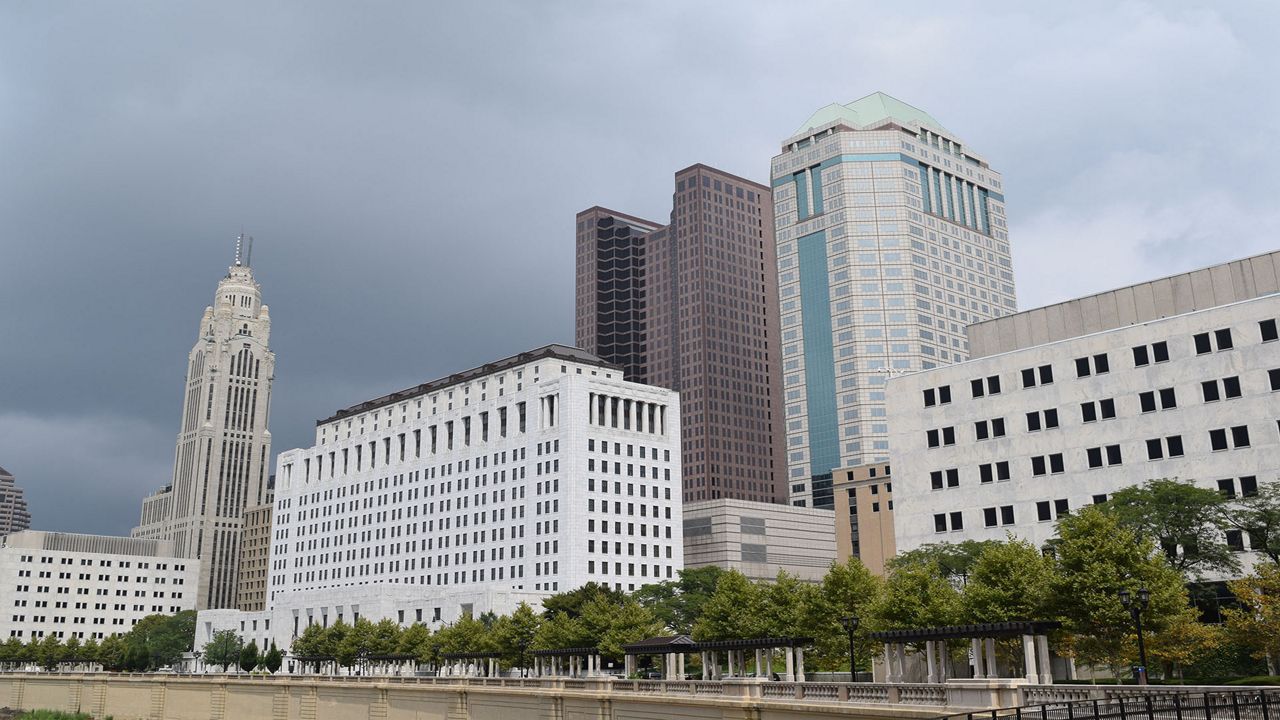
x=566 y=662
x=671 y=648
x=982 y=646
x=467 y=664
x=392 y=663
x=792 y=649
x=317 y=661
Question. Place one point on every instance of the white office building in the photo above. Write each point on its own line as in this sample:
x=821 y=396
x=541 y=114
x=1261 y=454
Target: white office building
x=524 y=477
x=1062 y=406
x=88 y=586
x=891 y=238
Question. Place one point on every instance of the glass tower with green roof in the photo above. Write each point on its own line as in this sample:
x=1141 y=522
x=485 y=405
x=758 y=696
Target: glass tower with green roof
x=891 y=238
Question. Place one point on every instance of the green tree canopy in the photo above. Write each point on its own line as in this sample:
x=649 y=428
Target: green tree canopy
x=916 y=595
x=1258 y=517
x=571 y=603
x=164 y=637
x=249 y=656
x=416 y=641
x=1185 y=521
x=274 y=659
x=953 y=560
x=514 y=635
x=734 y=611
x=1255 y=624
x=678 y=603
x=847 y=590
x=608 y=625
x=1008 y=581
x=223 y=649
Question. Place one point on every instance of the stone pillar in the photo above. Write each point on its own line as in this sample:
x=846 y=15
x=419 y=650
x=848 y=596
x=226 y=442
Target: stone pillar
x=944 y=662
x=791 y=665
x=703 y=656
x=888 y=664
x=759 y=664
x=1042 y=659
x=680 y=666
x=975 y=649
x=931 y=659
x=1029 y=658
x=799 y=664
x=715 y=665
x=993 y=668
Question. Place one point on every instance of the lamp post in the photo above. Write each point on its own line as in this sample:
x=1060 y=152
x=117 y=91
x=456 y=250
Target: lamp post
x=850 y=623
x=1135 y=606
x=197 y=662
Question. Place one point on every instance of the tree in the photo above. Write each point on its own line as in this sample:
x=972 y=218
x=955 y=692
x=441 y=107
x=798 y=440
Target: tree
x=274 y=659
x=1097 y=558
x=953 y=560
x=1258 y=516
x=91 y=652
x=1255 y=624
x=571 y=603
x=111 y=653
x=916 y=595
x=1185 y=641
x=72 y=651
x=164 y=637
x=514 y=634
x=136 y=657
x=223 y=649
x=846 y=590
x=1008 y=581
x=608 y=625
x=1185 y=521
x=249 y=656
x=678 y=603
x=734 y=611
x=416 y=641
x=49 y=652
x=560 y=631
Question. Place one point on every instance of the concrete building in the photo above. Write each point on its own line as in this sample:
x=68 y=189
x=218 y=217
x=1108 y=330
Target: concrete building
x=891 y=238
x=14 y=515
x=692 y=306
x=255 y=558
x=864 y=515
x=88 y=586
x=525 y=477
x=220 y=462
x=759 y=539
x=1174 y=378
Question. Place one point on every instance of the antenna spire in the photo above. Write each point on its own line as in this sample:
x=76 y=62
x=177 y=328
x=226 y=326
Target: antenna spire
x=239 y=240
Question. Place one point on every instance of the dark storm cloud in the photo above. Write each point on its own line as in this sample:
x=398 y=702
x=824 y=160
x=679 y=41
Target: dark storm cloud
x=411 y=172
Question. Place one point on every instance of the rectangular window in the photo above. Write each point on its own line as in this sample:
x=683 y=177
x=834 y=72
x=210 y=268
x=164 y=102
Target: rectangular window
x=1155 y=450
x=1231 y=387
x=1249 y=485
x=1038 y=465
x=1042 y=511
x=985 y=474
x=989 y=517
x=976 y=387
x=1222 y=338
x=1174 y=443
x=1033 y=422
x=1240 y=436
x=1055 y=463
x=1141 y=356
x=1209 y=388
x=1268 y=329
x=1218 y=439
x=1274 y=377
x=1088 y=412
x=957 y=521
x=1113 y=455
x=940 y=522
x=1006 y=515
x=953 y=477
x=1227 y=488
x=1061 y=507
x=1145 y=355
x=935 y=479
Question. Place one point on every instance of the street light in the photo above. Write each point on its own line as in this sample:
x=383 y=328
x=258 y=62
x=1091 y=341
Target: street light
x=850 y=623
x=1135 y=608
x=197 y=654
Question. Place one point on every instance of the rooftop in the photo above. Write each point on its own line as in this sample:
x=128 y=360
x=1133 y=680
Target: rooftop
x=554 y=351
x=5 y=472
x=870 y=111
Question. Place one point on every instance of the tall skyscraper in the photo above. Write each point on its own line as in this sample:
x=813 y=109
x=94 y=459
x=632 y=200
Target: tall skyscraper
x=891 y=238
x=14 y=515
x=223 y=449
x=692 y=306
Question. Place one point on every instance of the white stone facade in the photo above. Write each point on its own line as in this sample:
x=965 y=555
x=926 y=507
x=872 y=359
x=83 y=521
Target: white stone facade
x=1008 y=442
x=88 y=586
x=525 y=477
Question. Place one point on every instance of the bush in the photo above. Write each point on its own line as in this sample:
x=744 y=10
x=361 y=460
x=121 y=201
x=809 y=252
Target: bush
x=1255 y=680
x=53 y=715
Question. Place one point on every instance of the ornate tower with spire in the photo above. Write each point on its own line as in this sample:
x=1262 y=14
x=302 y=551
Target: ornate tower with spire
x=223 y=449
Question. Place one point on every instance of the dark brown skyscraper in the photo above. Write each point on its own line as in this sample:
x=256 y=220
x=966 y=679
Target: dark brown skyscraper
x=702 y=292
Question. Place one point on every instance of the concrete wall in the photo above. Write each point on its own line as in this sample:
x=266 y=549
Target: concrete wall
x=282 y=698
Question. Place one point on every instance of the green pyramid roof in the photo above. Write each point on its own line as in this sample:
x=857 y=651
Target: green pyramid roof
x=869 y=111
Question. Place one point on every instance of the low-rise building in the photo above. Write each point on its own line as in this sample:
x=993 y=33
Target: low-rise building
x=88 y=586
x=864 y=515
x=759 y=539
x=1062 y=406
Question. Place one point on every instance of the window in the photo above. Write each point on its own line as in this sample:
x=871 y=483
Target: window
x=1215 y=390
x=948 y=478
x=989 y=517
x=985 y=386
x=1099 y=499
x=1042 y=375
x=945 y=436
x=1227 y=488
x=937 y=396
x=1274 y=377
x=1061 y=507
x=1249 y=486
x=1235 y=540
x=1043 y=513
x=1147 y=354
x=1166 y=397
x=1268 y=329
x=1097 y=365
x=940 y=521
x=1044 y=419
x=1217 y=340
x=1006 y=515
x=1097 y=455
x=1239 y=437
x=990 y=472
x=1053 y=464
x=1092 y=411
x=985 y=429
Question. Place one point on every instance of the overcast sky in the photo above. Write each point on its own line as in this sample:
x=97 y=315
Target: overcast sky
x=411 y=172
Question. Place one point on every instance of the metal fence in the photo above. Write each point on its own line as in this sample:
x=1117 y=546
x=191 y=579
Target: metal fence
x=1251 y=704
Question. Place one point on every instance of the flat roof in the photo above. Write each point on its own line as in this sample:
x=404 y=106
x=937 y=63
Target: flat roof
x=555 y=351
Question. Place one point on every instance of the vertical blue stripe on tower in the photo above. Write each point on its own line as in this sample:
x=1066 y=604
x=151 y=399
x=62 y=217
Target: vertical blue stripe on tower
x=819 y=354
x=802 y=195
x=982 y=210
x=924 y=189
x=815 y=175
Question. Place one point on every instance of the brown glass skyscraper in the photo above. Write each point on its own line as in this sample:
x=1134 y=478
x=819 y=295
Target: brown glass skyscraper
x=693 y=306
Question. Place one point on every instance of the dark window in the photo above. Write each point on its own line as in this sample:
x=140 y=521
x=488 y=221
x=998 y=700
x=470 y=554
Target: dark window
x=1240 y=436
x=989 y=517
x=1231 y=387
x=1037 y=465
x=997 y=427
x=1210 y=390
x=935 y=479
x=1006 y=515
x=953 y=477
x=1223 y=339
x=1088 y=412
x=1029 y=378
x=1147 y=401
x=1274 y=377
x=976 y=387
x=932 y=436
x=957 y=521
x=984 y=473
x=1202 y=343
x=1095 y=457
x=1218 y=439
x=929 y=399
x=1140 y=356
x=1099 y=499
x=1168 y=399
x=940 y=522
x=1055 y=463
x=1248 y=486
x=1113 y=455
x=948 y=436
x=993 y=385
x=1235 y=540
x=1160 y=351
x=1101 y=364
x=1082 y=367
x=944 y=394
x=980 y=429
x=1033 y=421
x=1061 y=507
x=1042 y=511
x=1227 y=488
x=1107 y=408
x=1046 y=374
x=1155 y=451
x=1050 y=418
x=1002 y=470
x=1268 y=328
x=1175 y=445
